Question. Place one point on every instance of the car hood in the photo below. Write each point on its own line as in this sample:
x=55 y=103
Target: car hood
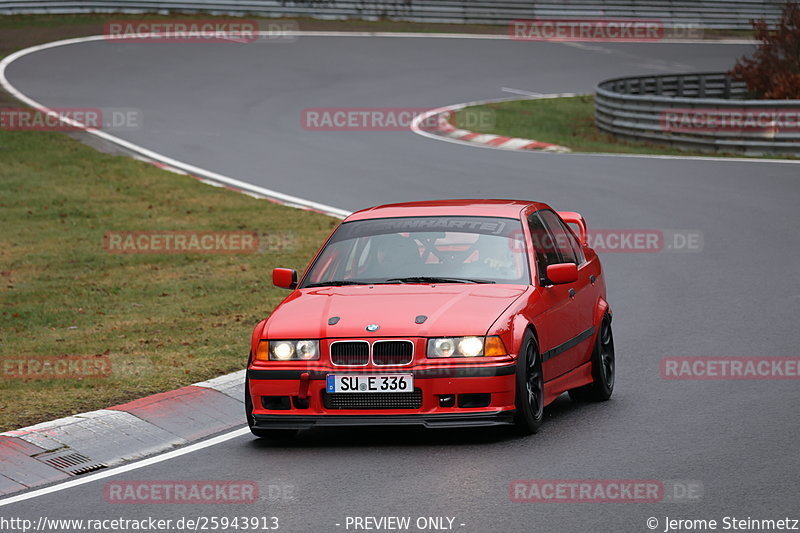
x=452 y=309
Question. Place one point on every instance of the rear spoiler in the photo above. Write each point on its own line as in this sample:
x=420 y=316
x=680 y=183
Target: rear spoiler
x=571 y=217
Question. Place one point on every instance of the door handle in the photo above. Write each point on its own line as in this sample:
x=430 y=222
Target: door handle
x=592 y=279
x=572 y=293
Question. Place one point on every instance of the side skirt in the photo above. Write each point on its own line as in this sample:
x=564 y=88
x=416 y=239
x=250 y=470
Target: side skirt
x=574 y=378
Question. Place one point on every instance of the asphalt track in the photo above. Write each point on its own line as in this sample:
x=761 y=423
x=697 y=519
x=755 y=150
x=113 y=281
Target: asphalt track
x=235 y=109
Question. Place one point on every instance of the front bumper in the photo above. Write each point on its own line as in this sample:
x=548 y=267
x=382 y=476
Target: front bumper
x=306 y=404
x=453 y=420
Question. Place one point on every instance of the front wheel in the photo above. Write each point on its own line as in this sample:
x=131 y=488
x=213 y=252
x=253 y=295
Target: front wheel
x=603 y=368
x=530 y=387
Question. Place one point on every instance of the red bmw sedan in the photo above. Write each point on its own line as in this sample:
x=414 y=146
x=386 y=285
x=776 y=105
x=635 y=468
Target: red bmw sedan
x=453 y=313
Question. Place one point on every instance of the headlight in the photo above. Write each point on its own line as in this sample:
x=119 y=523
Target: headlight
x=465 y=347
x=302 y=350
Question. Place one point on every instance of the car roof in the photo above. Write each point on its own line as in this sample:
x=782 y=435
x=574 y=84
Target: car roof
x=469 y=207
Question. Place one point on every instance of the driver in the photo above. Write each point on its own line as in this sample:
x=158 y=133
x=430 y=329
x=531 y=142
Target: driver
x=394 y=256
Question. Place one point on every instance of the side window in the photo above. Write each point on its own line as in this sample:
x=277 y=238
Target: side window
x=563 y=238
x=573 y=241
x=543 y=245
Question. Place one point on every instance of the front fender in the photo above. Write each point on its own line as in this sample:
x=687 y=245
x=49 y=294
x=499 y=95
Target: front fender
x=513 y=323
x=257 y=335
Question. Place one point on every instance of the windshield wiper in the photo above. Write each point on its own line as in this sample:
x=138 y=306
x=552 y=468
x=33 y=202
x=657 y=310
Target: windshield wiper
x=337 y=283
x=434 y=279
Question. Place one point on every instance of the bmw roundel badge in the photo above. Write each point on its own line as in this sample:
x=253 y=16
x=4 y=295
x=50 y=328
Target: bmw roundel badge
x=373 y=327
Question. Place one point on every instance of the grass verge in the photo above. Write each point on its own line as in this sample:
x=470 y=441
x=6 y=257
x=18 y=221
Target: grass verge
x=564 y=121
x=163 y=321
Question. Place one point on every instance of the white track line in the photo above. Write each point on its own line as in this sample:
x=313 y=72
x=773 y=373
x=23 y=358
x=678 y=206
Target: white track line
x=519 y=91
x=186 y=167
x=125 y=468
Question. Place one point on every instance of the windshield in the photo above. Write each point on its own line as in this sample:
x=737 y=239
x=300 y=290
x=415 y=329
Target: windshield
x=423 y=250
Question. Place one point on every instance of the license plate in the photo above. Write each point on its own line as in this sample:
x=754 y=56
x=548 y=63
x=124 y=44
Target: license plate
x=342 y=383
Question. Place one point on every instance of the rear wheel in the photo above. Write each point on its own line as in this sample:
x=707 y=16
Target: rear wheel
x=603 y=368
x=530 y=387
x=275 y=434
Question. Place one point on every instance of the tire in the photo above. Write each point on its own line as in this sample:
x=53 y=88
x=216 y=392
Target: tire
x=603 y=368
x=274 y=434
x=530 y=387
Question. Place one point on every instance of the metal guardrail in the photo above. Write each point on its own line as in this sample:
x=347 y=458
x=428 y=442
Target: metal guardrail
x=707 y=112
x=716 y=14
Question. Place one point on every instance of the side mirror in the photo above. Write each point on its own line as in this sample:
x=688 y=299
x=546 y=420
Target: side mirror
x=562 y=273
x=285 y=278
